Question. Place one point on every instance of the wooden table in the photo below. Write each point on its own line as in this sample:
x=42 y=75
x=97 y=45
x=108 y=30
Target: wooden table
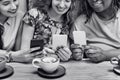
x=75 y=70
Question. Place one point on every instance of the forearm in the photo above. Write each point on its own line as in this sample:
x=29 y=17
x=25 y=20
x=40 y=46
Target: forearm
x=111 y=53
x=3 y=52
x=6 y=54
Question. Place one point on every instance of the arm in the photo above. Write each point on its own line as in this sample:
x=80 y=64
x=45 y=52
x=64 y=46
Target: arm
x=111 y=53
x=96 y=54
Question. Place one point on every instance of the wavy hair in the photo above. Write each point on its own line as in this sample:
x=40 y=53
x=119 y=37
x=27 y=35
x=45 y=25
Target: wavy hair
x=68 y=17
x=85 y=8
x=1 y=32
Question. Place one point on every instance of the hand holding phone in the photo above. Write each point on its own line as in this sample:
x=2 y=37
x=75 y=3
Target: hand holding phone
x=59 y=40
x=37 y=43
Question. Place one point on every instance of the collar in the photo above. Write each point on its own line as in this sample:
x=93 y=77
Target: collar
x=9 y=21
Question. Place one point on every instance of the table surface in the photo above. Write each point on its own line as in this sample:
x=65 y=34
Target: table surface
x=75 y=70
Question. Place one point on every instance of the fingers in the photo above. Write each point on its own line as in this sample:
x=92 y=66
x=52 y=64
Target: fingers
x=67 y=50
x=64 y=53
x=48 y=50
x=61 y=56
x=36 y=54
x=34 y=49
x=75 y=46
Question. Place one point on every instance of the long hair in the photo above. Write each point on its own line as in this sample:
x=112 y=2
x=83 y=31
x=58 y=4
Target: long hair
x=85 y=8
x=1 y=32
x=68 y=17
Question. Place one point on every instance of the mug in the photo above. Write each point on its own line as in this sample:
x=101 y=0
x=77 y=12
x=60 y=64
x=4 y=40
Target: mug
x=115 y=60
x=48 y=63
x=2 y=63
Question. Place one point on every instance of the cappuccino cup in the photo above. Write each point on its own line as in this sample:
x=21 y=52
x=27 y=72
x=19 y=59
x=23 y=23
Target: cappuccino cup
x=115 y=60
x=48 y=64
x=2 y=63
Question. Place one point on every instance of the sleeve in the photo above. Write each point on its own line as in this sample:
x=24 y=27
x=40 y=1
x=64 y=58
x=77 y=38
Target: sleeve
x=31 y=17
x=77 y=26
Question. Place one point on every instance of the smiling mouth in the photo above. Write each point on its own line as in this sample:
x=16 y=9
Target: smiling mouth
x=97 y=3
x=12 y=12
x=60 y=9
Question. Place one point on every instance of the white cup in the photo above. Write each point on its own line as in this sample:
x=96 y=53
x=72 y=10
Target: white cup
x=49 y=64
x=2 y=63
x=115 y=60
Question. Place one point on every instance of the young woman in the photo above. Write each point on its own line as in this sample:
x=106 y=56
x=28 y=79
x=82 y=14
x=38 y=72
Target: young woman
x=48 y=17
x=100 y=20
x=10 y=29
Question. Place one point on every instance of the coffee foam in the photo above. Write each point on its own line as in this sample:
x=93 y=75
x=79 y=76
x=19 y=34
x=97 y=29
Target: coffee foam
x=49 y=59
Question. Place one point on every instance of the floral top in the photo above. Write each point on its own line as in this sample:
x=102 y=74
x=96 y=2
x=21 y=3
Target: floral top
x=44 y=25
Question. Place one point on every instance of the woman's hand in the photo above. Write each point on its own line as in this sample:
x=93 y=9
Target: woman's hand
x=95 y=54
x=64 y=53
x=77 y=52
x=24 y=55
x=48 y=51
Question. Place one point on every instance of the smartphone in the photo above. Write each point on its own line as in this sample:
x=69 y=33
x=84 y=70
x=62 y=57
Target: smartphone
x=59 y=40
x=79 y=37
x=37 y=43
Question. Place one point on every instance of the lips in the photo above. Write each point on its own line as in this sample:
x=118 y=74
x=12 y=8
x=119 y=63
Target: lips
x=60 y=9
x=13 y=12
x=97 y=3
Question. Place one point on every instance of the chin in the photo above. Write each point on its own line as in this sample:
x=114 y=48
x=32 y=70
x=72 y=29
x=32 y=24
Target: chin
x=12 y=15
x=61 y=13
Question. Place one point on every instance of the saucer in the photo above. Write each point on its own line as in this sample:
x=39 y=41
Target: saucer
x=58 y=73
x=8 y=71
x=116 y=69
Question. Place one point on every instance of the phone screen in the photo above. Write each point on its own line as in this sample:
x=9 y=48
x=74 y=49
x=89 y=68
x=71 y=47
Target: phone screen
x=37 y=43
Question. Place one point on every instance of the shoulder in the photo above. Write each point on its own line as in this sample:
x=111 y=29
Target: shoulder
x=34 y=12
x=118 y=13
x=20 y=13
x=80 y=20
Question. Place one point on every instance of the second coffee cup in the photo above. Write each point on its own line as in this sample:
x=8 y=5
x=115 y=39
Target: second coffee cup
x=49 y=64
x=2 y=63
x=115 y=60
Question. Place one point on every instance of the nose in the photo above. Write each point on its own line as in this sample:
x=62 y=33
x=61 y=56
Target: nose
x=62 y=4
x=95 y=0
x=13 y=6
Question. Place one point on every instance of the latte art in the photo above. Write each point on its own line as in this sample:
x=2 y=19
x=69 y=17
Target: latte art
x=49 y=59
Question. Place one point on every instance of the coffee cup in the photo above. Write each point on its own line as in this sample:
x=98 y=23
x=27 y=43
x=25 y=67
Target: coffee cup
x=2 y=63
x=48 y=64
x=115 y=60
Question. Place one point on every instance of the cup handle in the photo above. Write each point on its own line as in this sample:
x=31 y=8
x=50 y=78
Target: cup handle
x=36 y=60
x=114 y=61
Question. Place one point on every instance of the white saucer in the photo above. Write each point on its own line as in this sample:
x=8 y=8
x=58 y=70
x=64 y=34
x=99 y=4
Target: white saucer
x=116 y=69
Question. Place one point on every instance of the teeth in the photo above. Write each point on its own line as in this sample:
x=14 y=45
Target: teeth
x=98 y=2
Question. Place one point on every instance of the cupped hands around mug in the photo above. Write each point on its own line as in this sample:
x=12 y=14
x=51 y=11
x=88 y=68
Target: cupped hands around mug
x=95 y=54
x=64 y=53
x=24 y=55
x=77 y=51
